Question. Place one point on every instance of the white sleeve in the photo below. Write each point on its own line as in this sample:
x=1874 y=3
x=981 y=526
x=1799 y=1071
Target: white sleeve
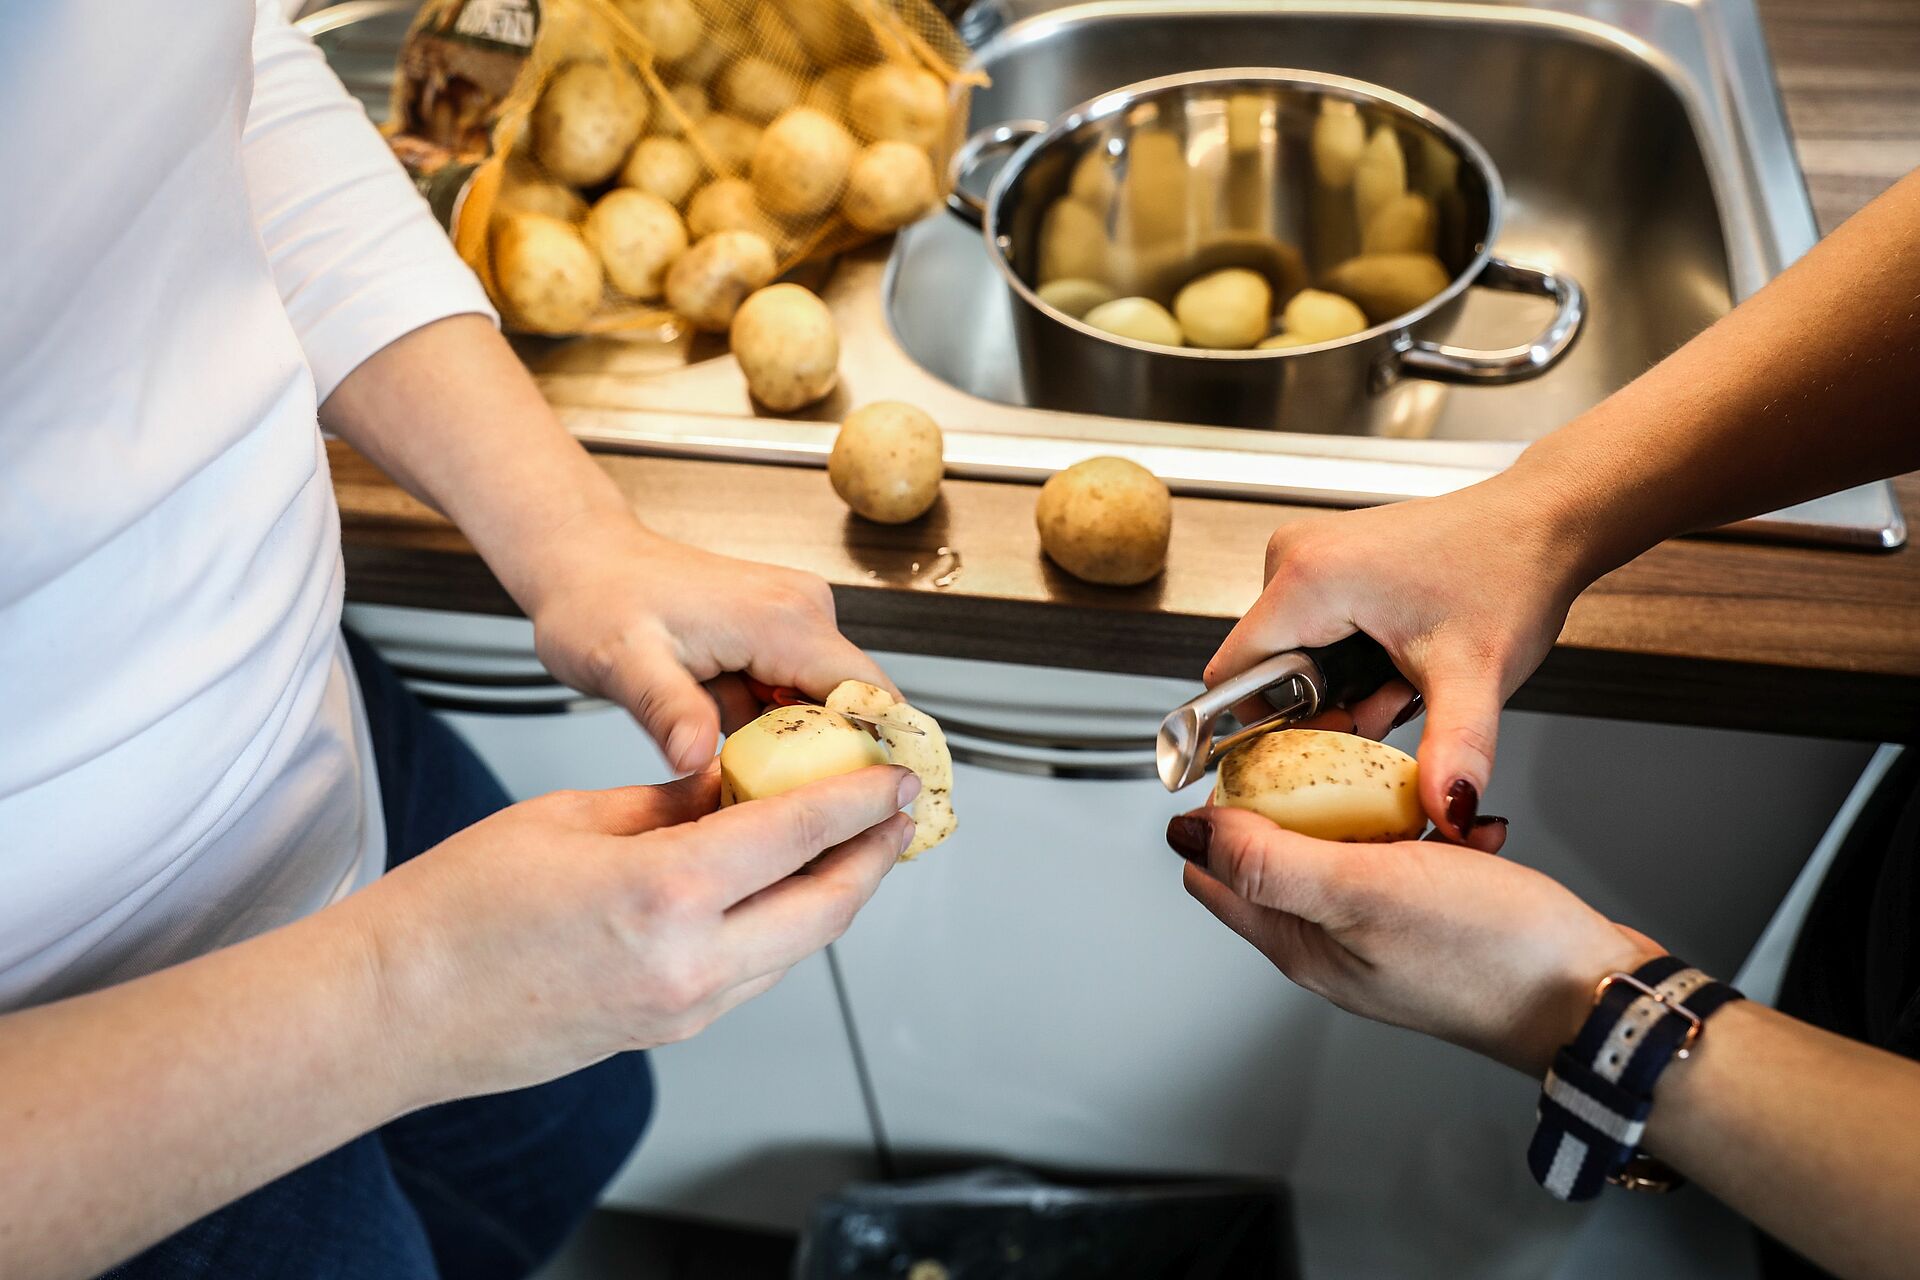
x=358 y=257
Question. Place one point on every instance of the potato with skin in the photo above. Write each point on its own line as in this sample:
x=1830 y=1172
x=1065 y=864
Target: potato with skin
x=788 y=747
x=708 y=282
x=1106 y=520
x=1075 y=297
x=731 y=140
x=1141 y=319
x=663 y=167
x=672 y=27
x=829 y=92
x=899 y=104
x=784 y=338
x=729 y=205
x=637 y=237
x=887 y=462
x=925 y=752
x=586 y=122
x=802 y=162
x=891 y=184
x=693 y=104
x=1225 y=310
x=757 y=90
x=539 y=196
x=549 y=279
x=1314 y=315
x=1388 y=285
x=1331 y=786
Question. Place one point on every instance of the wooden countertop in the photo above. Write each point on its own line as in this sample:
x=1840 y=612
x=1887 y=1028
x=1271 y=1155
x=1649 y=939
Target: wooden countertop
x=1780 y=638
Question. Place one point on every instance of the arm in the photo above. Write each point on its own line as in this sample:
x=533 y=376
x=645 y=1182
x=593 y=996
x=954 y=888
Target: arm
x=1808 y=1135
x=541 y=940
x=1805 y=388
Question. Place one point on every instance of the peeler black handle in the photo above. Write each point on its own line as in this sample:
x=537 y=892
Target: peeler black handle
x=1352 y=668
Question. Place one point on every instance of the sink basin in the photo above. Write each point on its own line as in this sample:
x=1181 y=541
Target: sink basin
x=1642 y=144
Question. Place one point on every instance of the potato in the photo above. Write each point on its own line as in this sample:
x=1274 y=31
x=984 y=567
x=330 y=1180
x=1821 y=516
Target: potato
x=731 y=139
x=802 y=162
x=829 y=92
x=1331 y=786
x=1093 y=183
x=664 y=167
x=1313 y=315
x=831 y=31
x=698 y=67
x=788 y=747
x=693 y=103
x=637 y=237
x=1339 y=136
x=672 y=27
x=1404 y=224
x=586 y=122
x=1388 y=285
x=707 y=283
x=1157 y=205
x=1141 y=319
x=891 y=185
x=925 y=753
x=1247 y=122
x=784 y=339
x=1381 y=175
x=898 y=104
x=1106 y=520
x=1073 y=243
x=1075 y=297
x=548 y=278
x=757 y=89
x=887 y=462
x=539 y=196
x=1281 y=341
x=729 y=205
x=1225 y=310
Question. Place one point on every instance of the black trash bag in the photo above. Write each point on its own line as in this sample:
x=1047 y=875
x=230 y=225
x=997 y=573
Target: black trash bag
x=1005 y=1224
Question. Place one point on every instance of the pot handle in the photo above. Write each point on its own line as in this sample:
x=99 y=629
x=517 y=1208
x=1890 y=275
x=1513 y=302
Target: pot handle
x=1441 y=363
x=1004 y=136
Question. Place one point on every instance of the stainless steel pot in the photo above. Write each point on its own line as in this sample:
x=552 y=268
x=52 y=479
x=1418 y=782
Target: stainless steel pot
x=1253 y=168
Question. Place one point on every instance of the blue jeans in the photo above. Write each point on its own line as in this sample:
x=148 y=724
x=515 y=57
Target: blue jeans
x=471 y=1190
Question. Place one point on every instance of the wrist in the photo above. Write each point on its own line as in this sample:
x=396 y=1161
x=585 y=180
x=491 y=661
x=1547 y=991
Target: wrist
x=403 y=997
x=548 y=566
x=1592 y=510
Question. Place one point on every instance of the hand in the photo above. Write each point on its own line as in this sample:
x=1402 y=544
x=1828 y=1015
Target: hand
x=646 y=621
x=1467 y=593
x=576 y=925
x=1425 y=934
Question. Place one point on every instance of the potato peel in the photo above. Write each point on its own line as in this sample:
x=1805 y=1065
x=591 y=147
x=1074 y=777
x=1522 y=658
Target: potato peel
x=925 y=753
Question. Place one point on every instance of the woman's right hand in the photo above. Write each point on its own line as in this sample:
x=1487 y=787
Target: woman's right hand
x=1466 y=591
x=576 y=925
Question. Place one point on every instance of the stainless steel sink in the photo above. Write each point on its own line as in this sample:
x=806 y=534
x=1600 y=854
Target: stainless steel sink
x=1643 y=147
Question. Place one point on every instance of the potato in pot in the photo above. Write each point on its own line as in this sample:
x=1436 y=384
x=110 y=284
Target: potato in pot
x=1331 y=786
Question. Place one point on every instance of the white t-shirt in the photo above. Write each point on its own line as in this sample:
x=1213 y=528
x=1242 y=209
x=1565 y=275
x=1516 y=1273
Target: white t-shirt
x=200 y=235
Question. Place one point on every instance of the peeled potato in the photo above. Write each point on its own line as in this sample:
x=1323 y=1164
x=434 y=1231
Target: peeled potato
x=789 y=747
x=731 y=139
x=1381 y=175
x=758 y=90
x=1106 y=520
x=1141 y=319
x=1331 y=786
x=1339 y=136
x=637 y=237
x=925 y=753
x=887 y=462
x=728 y=205
x=1093 y=183
x=891 y=185
x=708 y=282
x=901 y=104
x=1075 y=297
x=1388 y=285
x=1281 y=341
x=1073 y=243
x=1314 y=315
x=664 y=167
x=1404 y=224
x=1225 y=310
x=801 y=163
x=586 y=121
x=549 y=279
x=784 y=338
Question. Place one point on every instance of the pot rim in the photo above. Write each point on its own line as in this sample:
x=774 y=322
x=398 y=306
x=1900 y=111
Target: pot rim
x=1115 y=101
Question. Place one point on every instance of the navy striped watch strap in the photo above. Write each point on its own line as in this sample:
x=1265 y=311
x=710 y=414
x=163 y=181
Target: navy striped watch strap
x=1594 y=1104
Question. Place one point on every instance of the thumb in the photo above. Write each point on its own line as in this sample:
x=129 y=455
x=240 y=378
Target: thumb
x=669 y=704
x=1456 y=748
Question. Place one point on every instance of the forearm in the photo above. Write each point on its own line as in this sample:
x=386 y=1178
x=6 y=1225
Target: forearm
x=1809 y=1135
x=450 y=413
x=1806 y=388
x=129 y=1112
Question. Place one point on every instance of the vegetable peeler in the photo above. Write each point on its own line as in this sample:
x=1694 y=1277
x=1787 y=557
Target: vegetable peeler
x=771 y=695
x=1297 y=684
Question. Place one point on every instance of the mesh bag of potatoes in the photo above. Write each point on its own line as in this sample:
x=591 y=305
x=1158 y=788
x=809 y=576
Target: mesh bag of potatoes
x=610 y=165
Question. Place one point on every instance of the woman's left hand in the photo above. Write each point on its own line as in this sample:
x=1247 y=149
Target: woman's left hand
x=1437 y=937
x=665 y=630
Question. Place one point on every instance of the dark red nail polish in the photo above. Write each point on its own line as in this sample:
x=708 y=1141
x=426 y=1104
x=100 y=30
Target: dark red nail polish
x=1189 y=837
x=1463 y=802
x=1488 y=820
x=1408 y=712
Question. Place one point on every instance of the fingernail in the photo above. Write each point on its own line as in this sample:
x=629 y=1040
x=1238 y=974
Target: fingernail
x=1189 y=837
x=1463 y=801
x=909 y=788
x=907 y=828
x=679 y=743
x=1408 y=712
